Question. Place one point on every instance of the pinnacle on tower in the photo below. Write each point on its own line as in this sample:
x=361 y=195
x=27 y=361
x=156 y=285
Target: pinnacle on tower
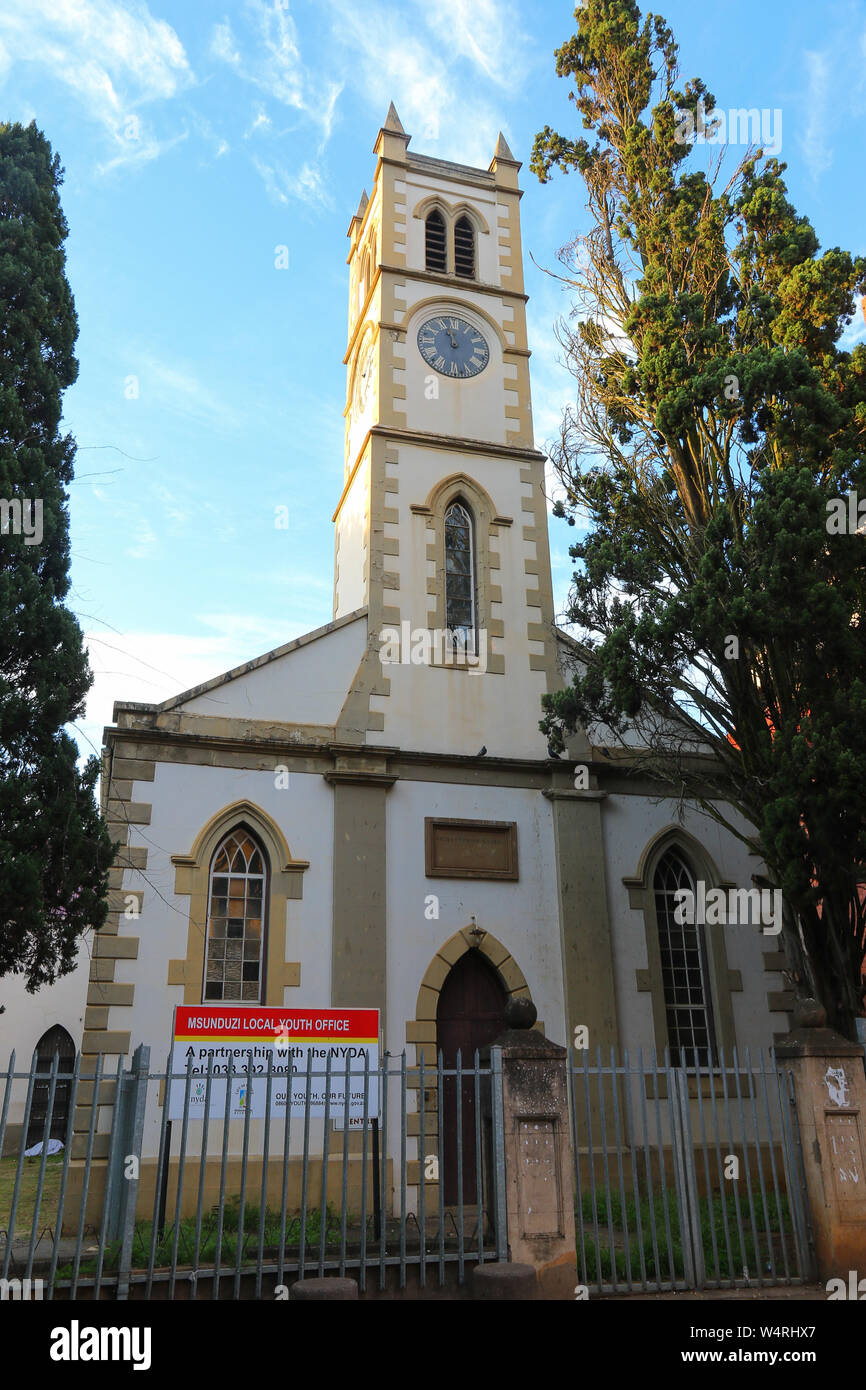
x=502 y=150
x=358 y=218
x=393 y=122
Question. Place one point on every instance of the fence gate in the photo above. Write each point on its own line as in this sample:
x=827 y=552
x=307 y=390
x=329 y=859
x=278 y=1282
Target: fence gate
x=687 y=1177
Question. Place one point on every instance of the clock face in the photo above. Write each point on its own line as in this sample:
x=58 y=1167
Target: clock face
x=364 y=379
x=453 y=347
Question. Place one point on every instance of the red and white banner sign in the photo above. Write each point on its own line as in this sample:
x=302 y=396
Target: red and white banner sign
x=308 y=1053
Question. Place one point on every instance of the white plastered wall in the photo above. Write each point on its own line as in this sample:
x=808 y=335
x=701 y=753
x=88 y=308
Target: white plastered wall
x=307 y=686
x=27 y=1016
x=184 y=798
x=351 y=559
x=630 y=823
x=522 y=915
x=435 y=709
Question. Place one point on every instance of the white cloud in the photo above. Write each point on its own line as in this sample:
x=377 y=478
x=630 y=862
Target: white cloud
x=553 y=386
x=855 y=332
x=146 y=667
x=149 y=667
x=261 y=122
x=131 y=153
x=175 y=387
x=815 y=138
x=175 y=512
x=222 y=44
x=834 y=95
x=144 y=541
x=307 y=184
x=247 y=634
x=115 y=58
x=485 y=32
x=271 y=61
x=389 y=56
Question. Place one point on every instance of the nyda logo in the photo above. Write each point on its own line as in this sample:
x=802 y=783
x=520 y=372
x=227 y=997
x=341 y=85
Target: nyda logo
x=855 y=1290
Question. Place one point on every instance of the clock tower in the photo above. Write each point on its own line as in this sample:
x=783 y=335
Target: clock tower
x=441 y=528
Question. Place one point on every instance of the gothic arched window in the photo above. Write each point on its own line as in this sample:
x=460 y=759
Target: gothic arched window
x=434 y=241
x=55 y=1043
x=464 y=247
x=460 y=577
x=688 y=1002
x=237 y=908
x=363 y=280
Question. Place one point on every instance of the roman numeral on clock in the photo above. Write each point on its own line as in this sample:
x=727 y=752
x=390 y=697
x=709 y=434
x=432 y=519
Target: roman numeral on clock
x=453 y=347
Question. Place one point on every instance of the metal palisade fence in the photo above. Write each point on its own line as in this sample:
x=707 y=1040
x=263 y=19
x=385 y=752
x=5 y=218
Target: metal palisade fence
x=687 y=1176
x=240 y=1207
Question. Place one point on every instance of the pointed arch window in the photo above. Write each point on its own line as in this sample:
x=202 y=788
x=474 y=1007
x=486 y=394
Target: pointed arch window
x=434 y=241
x=685 y=975
x=236 y=926
x=460 y=589
x=363 y=280
x=55 y=1043
x=464 y=247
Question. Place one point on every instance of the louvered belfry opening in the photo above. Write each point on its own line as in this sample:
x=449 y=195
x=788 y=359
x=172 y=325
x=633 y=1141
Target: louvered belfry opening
x=464 y=248
x=435 y=241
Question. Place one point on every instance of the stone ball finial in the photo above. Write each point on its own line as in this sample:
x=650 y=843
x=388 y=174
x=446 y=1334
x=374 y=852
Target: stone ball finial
x=809 y=1013
x=520 y=1013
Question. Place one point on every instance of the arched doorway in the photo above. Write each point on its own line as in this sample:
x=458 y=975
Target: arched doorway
x=55 y=1041
x=470 y=1014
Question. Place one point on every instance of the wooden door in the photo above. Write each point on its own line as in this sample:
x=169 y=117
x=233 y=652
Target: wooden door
x=470 y=1015
x=55 y=1041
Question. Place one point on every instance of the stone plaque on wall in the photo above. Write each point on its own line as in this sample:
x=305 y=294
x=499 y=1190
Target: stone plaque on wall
x=537 y=1178
x=846 y=1164
x=470 y=848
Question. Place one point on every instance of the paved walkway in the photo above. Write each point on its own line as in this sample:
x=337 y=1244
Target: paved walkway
x=782 y=1292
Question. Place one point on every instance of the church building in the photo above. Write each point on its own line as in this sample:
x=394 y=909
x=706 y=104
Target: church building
x=368 y=816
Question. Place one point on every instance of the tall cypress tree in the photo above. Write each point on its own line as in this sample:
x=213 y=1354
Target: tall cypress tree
x=718 y=423
x=55 y=850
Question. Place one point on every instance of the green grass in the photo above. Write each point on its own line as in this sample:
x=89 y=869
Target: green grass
x=209 y=1238
x=622 y=1218
x=27 y=1192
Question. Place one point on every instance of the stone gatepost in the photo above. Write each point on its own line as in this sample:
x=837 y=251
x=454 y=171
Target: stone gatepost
x=830 y=1088
x=539 y=1179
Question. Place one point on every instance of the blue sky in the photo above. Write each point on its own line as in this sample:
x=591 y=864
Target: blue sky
x=198 y=138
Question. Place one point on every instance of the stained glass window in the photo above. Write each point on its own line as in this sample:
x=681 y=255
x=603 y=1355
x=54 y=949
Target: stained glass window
x=236 y=920
x=685 y=977
x=459 y=578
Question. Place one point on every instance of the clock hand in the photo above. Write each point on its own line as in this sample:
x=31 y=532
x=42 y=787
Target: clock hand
x=453 y=342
